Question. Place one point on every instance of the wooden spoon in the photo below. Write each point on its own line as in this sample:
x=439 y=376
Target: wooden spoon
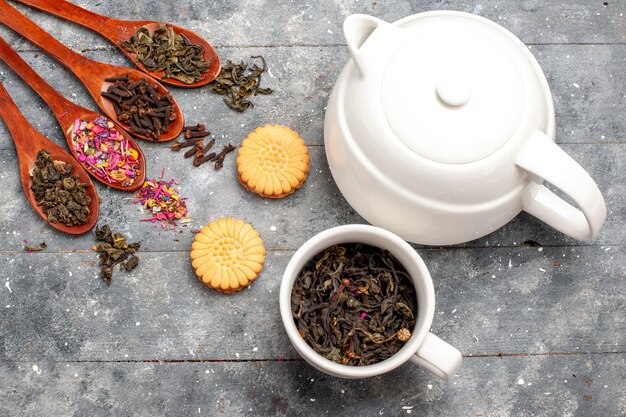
x=28 y=142
x=117 y=31
x=91 y=73
x=67 y=112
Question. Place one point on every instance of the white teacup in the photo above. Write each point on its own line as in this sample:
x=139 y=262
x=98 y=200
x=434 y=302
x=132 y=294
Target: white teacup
x=423 y=348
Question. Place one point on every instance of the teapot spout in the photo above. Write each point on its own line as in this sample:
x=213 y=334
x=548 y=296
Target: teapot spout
x=370 y=40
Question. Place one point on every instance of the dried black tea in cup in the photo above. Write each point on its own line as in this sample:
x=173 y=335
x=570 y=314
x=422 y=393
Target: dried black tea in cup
x=354 y=304
x=376 y=320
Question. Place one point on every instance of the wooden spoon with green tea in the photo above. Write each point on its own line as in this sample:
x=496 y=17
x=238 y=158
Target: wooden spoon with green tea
x=182 y=66
x=28 y=143
x=92 y=74
x=66 y=114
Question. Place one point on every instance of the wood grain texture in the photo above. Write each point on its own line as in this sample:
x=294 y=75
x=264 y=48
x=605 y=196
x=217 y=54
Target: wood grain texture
x=541 y=327
x=489 y=301
x=118 y=31
x=578 y=386
x=92 y=74
x=66 y=112
x=272 y=23
x=317 y=206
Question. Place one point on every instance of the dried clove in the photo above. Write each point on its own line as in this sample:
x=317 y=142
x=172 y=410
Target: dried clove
x=137 y=104
x=204 y=149
x=198 y=127
x=112 y=97
x=209 y=145
x=177 y=146
x=194 y=135
x=42 y=246
x=190 y=134
x=191 y=152
x=219 y=158
x=199 y=161
x=114 y=79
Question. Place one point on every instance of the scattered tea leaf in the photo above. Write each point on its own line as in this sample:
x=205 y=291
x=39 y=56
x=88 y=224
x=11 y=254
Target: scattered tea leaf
x=114 y=251
x=236 y=86
x=42 y=246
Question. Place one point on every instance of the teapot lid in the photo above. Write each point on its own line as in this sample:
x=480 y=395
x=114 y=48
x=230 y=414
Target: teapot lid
x=453 y=92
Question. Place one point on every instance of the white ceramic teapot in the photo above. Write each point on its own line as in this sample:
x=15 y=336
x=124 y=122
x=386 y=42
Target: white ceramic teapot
x=441 y=129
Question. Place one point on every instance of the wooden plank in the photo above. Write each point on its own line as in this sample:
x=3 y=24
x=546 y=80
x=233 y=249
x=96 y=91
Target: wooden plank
x=286 y=223
x=509 y=300
x=580 y=385
x=541 y=328
x=586 y=80
x=320 y=23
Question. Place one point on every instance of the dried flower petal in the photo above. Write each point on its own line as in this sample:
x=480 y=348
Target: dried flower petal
x=105 y=151
x=403 y=334
x=159 y=199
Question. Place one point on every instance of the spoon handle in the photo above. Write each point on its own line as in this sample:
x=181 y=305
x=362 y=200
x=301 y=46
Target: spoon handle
x=28 y=143
x=17 y=124
x=70 y=11
x=57 y=103
x=75 y=62
x=104 y=25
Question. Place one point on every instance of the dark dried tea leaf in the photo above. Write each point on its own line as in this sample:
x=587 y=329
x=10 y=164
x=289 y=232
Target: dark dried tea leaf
x=61 y=196
x=354 y=304
x=114 y=251
x=236 y=86
x=169 y=52
x=42 y=246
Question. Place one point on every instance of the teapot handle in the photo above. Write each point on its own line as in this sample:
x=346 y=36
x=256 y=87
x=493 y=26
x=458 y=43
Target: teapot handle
x=357 y=29
x=543 y=158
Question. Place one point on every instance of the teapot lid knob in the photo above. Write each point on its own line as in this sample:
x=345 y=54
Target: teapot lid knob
x=454 y=88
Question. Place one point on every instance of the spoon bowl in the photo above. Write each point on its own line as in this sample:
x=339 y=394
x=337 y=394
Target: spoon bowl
x=28 y=142
x=91 y=73
x=117 y=31
x=112 y=71
x=210 y=53
x=67 y=112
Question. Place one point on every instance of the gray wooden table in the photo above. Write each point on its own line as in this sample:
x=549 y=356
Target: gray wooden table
x=542 y=328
